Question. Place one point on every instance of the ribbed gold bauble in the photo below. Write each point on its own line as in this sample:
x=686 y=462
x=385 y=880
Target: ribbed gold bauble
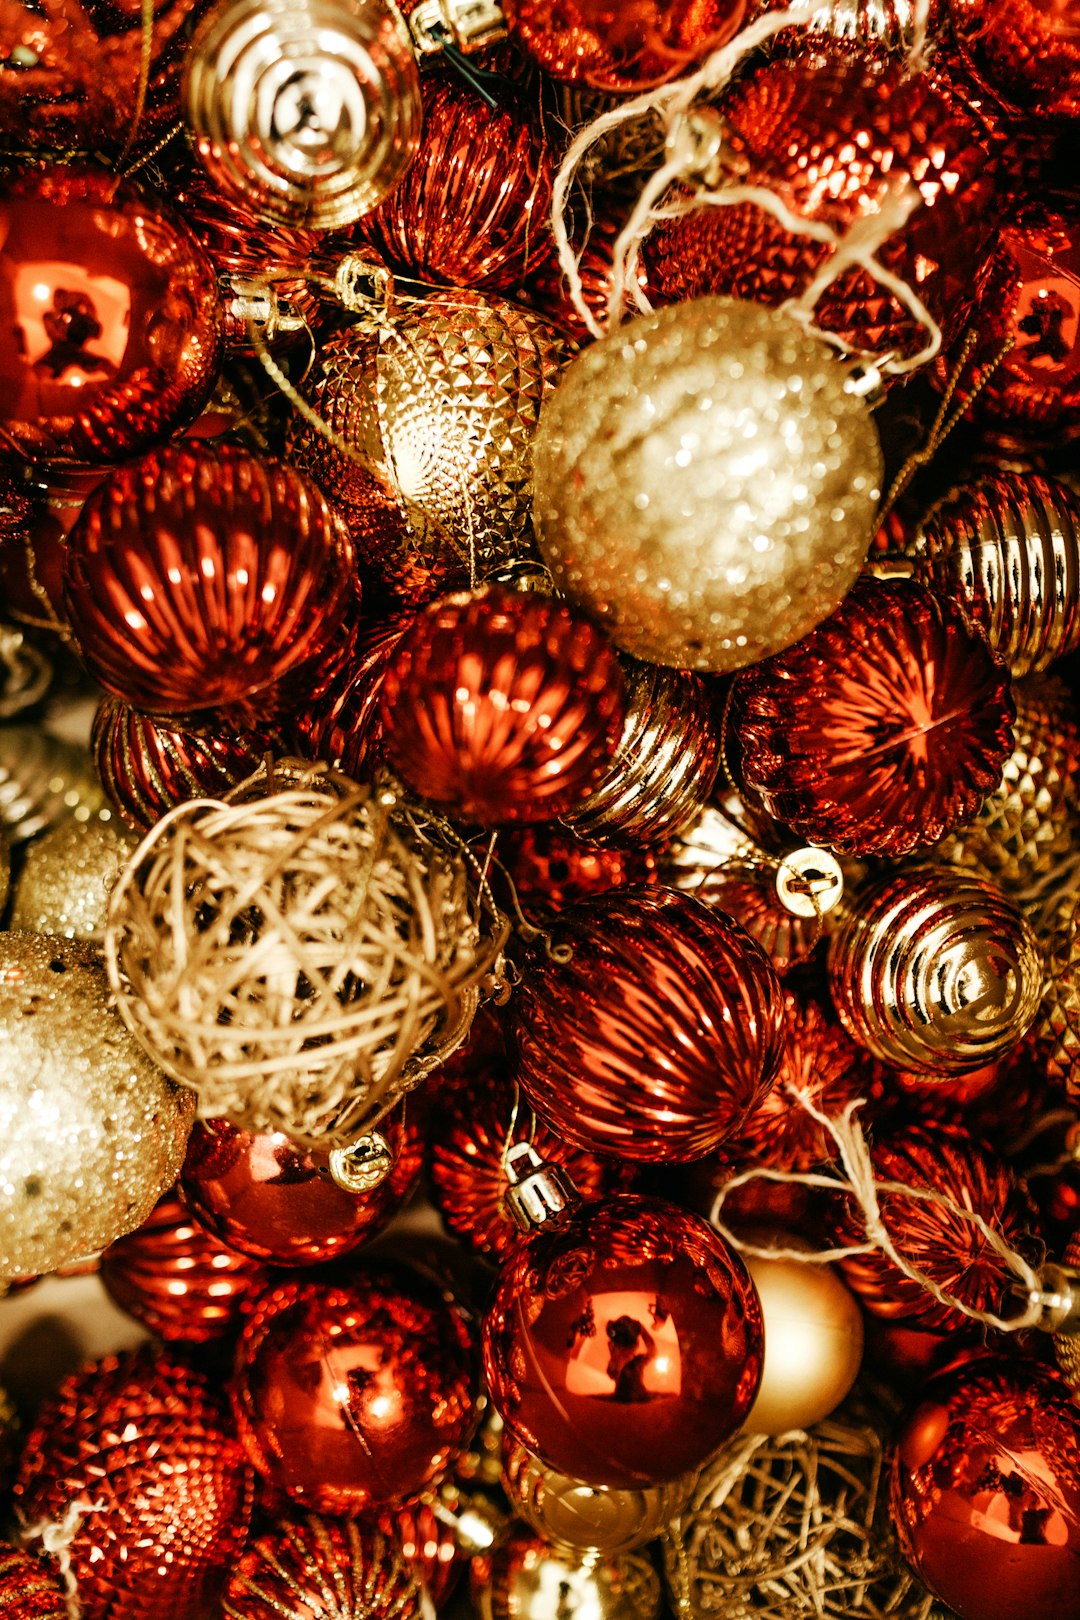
x=1058 y=1024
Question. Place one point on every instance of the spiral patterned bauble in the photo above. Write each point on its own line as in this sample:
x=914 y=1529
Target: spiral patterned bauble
x=341 y=724
x=583 y=1518
x=665 y=765
x=1007 y=549
x=654 y=1034
x=502 y=706
x=1058 y=1025
x=336 y=1569
x=308 y=112
x=881 y=729
x=207 y=578
x=28 y=1588
x=935 y=971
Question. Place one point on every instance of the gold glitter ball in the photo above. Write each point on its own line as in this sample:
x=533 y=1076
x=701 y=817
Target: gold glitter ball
x=91 y=1132
x=67 y=877
x=705 y=484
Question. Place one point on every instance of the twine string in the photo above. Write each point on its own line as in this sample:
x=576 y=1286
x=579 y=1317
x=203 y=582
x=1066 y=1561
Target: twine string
x=56 y=1537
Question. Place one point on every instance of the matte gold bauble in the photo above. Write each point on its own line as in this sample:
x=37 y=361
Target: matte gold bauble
x=66 y=879
x=579 y=1518
x=813 y=1340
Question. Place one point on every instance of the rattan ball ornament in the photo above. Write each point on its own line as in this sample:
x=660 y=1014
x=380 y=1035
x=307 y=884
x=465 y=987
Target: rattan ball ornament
x=301 y=954
x=67 y=877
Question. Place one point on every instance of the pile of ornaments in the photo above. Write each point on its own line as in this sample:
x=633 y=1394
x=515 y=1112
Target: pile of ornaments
x=540 y=572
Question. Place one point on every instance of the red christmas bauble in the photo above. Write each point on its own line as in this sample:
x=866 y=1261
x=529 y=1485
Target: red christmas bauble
x=341 y=724
x=146 y=768
x=623 y=1346
x=984 y=1491
x=480 y=1120
x=628 y=46
x=429 y=1547
x=550 y=292
x=178 y=1280
x=265 y=1197
x=28 y=1590
x=551 y=869
x=652 y=1028
x=879 y=731
x=501 y=706
x=354 y=1393
x=472 y=209
x=109 y=322
x=322 y=1567
x=207 y=578
x=1028 y=51
x=830 y=132
x=930 y=1235
x=144 y=1436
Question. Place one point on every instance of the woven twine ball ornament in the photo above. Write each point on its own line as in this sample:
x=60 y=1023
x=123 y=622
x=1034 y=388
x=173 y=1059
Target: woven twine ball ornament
x=300 y=954
x=1058 y=1023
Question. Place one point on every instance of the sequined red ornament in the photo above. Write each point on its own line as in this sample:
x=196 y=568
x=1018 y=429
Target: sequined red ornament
x=335 y=1570
x=624 y=1345
x=984 y=1491
x=650 y=1029
x=829 y=132
x=502 y=706
x=472 y=209
x=265 y=1197
x=881 y=729
x=145 y=1438
x=930 y=1235
x=29 y=1590
x=341 y=723
x=109 y=322
x=355 y=1393
x=1028 y=51
x=207 y=578
x=626 y=47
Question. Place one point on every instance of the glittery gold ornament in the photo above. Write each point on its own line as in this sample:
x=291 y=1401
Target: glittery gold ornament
x=1025 y=824
x=66 y=879
x=91 y=1132
x=1058 y=1024
x=579 y=1518
x=705 y=484
x=527 y=1579
x=5 y=869
x=44 y=780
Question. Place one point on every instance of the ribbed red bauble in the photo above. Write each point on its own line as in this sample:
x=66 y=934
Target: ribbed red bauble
x=472 y=208
x=624 y=1345
x=341 y=723
x=28 y=1590
x=930 y=1235
x=145 y=1437
x=622 y=47
x=356 y=1392
x=1027 y=51
x=309 y=1566
x=429 y=1546
x=984 y=1491
x=207 y=578
x=264 y=1196
x=651 y=1027
x=551 y=869
x=501 y=705
x=178 y=1280
x=879 y=731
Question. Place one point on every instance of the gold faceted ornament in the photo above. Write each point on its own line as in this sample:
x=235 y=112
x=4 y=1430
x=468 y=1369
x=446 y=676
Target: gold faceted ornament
x=525 y=1578
x=301 y=954
x=1026 y=825
x=44 y=780
x=1058 y=1026
x=580 y=1518
x=67 y=876
x=92 y=1133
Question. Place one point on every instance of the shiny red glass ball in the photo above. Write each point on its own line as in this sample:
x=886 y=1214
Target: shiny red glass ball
x=621 y=45
x=341 y=723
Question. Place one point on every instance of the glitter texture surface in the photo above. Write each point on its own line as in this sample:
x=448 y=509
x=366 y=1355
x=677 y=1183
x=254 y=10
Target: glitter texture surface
x=64 y=885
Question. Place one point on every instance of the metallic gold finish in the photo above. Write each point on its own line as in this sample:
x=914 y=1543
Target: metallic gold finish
x=1058 y=1026
x=44 y=781
x=364 y=1165
x=66 y=878
x=813 y=1340
x=579 y=1518
x=526 y=1578
x=25 y=673
x=1067 y=1345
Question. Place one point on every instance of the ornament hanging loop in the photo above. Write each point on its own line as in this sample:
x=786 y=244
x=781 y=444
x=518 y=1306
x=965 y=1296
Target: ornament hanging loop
x=1056 y=1299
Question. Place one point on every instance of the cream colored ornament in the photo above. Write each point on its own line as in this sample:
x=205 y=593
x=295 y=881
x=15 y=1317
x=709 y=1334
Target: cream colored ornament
x=813 y=1339
x=67 y=877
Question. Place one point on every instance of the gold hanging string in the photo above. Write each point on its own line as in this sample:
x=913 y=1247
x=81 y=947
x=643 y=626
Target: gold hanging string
x=143 y=85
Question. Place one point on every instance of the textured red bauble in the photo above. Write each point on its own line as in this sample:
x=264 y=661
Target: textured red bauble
x=354 y=1393
x=268 y=1198
x=984 y=1491
x=318 y=1567
x=882 y=729
x=625 y=46
x=28 y=1590
x=472 y=209
x=1028 y=51
x=178 y=1280
x=429 y=1545
x=931 y=1236
x=205 y=577
x=341 y=723
x=145 y=1436
x=501 y=706
x=624 y=1346
x=651 y=1029
x=109 y=323
x=595 y=256
x=551 y=869
x=830 y=132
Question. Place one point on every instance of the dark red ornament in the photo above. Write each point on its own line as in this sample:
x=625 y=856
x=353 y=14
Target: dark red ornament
x=882 y=729
x=1027 y=51
x=341 y=724
x=177 y=1280
x=109 y=319
x=145 y=1436
x=501 y=706
x=623 y=47
x=830 y=132
x=624 y=1345
x=205 y=577
x=984 y=1491
x=429 y=1547
x=29 y=1590
x=932 y=1237
x=307 y=1566
x=265 y=1197
x=551 y=869
x=355 y=1393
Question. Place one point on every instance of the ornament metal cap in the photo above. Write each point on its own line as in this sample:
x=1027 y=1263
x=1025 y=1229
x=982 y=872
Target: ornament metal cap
x=468 y=24
x=1058 y=1297
x=810 y=882
x=539 y=1193
x=363 y=1165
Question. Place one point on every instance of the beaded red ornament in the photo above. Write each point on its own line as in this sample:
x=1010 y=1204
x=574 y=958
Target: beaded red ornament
x=29 y=1590
x=627 y=47
x=1028 y=51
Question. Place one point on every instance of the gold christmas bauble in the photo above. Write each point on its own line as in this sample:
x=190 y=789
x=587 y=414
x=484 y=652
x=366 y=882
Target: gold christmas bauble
x=67 y=877
x=526 y=1579
x=579 y=1518
x=44 y=780
x=705 y=484
x=1058 y=1023
x=813 y=1340
x=5 y=870
x=91 y=1132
